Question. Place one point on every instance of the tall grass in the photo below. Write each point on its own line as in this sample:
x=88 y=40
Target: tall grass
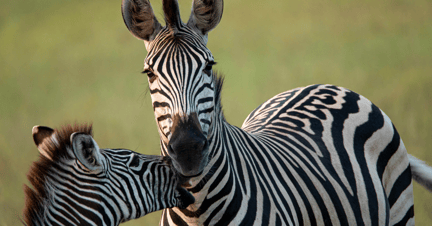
x=74 y=61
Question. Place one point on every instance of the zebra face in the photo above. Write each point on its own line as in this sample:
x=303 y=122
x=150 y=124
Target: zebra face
x=179 y=69
x=105 y=186
x=182 y=92
x=180 y=78
x=142 y=183
x=152 y=185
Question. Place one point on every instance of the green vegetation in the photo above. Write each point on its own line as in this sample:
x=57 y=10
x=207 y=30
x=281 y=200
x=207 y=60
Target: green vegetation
x=74 y=61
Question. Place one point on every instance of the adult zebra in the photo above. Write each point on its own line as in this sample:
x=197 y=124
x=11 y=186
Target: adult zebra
x=318 y=155
x=76 y=183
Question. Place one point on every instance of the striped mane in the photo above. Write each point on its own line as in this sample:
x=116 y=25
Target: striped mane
x=56 y=147
x=218 y=80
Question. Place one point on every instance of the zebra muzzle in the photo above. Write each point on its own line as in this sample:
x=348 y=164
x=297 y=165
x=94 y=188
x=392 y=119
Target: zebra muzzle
x=187 y=146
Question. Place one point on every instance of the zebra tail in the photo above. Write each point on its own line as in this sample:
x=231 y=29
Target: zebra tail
x=421 y=172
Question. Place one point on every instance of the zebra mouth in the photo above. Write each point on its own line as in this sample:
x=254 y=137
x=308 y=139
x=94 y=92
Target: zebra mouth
x=185 y=181
x=188 y=166
x=191 y=176
x=186 y=173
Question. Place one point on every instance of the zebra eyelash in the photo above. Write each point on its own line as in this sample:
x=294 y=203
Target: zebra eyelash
x=147 y=71
x=150 y=74
x=209 y=66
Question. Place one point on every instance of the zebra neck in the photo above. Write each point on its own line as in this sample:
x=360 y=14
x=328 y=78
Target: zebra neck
x=66 y=204
x=218 y=179
x=221 y=134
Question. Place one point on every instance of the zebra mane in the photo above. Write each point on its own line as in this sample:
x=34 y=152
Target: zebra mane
x=218 y=78
x=57 y=148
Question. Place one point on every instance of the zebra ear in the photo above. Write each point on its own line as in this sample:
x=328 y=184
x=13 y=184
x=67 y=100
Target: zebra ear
x=172 y=14
x=40 y=133
x=140 y=20
x=87 y=151
x=205 y=15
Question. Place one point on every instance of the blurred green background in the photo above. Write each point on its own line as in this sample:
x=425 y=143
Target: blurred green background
x=64 y=61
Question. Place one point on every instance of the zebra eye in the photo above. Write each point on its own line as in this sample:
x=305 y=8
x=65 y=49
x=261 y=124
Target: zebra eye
x=209 y=67
x=151 y=76
x=135 y=161
x=92 y=160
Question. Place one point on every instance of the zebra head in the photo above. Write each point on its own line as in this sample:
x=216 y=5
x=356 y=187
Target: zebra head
x=77 y=183
x=180 y=76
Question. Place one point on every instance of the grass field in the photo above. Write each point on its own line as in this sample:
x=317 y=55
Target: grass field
x=74 y=61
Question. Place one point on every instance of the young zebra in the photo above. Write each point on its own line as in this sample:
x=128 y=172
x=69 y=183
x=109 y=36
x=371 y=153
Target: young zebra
x=316 y=155
x=76 y=183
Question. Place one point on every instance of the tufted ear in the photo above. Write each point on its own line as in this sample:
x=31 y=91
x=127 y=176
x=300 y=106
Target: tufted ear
x=205 y=16
x=41 y=134
x=140 y=20
x=87 y=151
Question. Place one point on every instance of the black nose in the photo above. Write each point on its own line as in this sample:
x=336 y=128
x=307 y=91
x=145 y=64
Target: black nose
x=186 y=145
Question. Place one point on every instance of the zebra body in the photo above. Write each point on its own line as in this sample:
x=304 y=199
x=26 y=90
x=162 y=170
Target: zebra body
x=319 y=155
x=76 y=183
x=284 y=166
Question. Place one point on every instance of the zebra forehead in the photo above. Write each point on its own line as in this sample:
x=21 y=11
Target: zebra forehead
x=186 y=44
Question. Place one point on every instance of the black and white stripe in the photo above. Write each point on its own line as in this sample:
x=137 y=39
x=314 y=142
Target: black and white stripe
x=171 y=92
x=318 y=155
x=76 y=183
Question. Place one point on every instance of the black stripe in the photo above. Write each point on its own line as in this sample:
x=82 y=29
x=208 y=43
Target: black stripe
x=387 y=153
x=362 y=134
x=409 y=214
x=400 y=185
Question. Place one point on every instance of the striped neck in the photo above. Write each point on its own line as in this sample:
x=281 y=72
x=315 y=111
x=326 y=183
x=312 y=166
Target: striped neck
x=217 y=141
x=102 y=205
